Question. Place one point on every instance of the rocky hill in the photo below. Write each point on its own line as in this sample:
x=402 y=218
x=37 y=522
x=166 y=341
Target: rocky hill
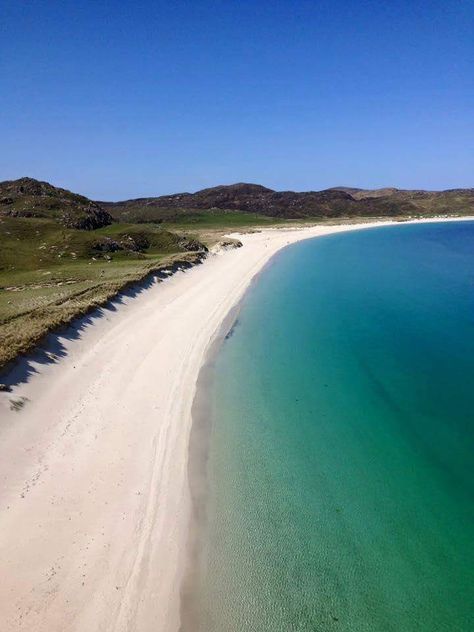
x=329 y=203
x=27 y=197
x=443 y=202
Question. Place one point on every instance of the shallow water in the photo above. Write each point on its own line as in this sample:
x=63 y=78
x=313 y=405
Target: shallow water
x=340 y=471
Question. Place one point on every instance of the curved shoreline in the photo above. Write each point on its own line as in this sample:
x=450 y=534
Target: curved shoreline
x=198 y=453
x=95 y=499
x=200 y=435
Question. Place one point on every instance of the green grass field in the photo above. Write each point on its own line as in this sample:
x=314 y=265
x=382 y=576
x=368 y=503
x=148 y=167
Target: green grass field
x=49 y=274
x=222 y=221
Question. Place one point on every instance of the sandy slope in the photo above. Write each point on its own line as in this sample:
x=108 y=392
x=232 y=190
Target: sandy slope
x=94 y=503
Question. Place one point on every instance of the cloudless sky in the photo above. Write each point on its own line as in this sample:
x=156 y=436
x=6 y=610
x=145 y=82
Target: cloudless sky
x=125 y=99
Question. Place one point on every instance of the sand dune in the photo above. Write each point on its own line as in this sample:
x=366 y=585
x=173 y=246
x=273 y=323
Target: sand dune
x=93 y=469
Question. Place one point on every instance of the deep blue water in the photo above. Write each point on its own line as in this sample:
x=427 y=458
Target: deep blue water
x=341 y=478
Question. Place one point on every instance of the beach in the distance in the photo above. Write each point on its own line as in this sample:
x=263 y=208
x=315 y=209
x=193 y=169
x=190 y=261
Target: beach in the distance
x=94 y=467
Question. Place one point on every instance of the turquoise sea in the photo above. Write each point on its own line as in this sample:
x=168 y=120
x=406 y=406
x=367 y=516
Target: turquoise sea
x=340 y=467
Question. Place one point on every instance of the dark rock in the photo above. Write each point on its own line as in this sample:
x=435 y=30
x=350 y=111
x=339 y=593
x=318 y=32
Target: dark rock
x=191 y=245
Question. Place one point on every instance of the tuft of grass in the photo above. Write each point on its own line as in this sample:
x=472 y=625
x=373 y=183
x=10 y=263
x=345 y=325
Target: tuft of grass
x=17 y=404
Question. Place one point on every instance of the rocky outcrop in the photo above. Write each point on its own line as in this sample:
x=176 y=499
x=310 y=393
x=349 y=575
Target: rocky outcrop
x=28 y=197
x=139 y=242
x=191 y=245
x=224 y=245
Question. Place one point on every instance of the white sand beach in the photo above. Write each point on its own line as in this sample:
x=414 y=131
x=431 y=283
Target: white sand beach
x=95 y=506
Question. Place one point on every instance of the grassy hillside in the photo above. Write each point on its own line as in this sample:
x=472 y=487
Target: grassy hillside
x=259 y=202
x=27 y=197
x=49 y=273
x=454 y=201
x=218 y=218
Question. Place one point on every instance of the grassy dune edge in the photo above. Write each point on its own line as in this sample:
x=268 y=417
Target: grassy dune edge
x=21 y=332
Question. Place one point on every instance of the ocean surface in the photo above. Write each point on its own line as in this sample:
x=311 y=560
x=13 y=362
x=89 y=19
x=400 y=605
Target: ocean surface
x=340 y=469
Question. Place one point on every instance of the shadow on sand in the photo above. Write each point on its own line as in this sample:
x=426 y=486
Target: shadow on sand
x=52 y=347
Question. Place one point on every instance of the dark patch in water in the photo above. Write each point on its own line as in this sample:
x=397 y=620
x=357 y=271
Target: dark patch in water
x=231 y=331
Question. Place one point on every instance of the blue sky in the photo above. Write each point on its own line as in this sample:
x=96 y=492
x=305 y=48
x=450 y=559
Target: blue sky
x=126 y=99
